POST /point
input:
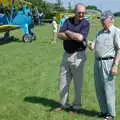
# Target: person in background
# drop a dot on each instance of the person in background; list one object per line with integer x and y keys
{"x": 62, "y": 20}
{"x": 107, "y": 56}
{"x": 73, "y": 33}
{"x": 54, "y": 30}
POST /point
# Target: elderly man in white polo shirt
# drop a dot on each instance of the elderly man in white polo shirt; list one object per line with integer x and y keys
{"x": 107, "y": 56}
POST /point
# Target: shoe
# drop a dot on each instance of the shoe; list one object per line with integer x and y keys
{"x": 102, "y": 115}
{"x": 58, "y": 109}
{"x": 62, "y": 108}
{"x": 108, "y": 117}
{"x": 73, "y": 110}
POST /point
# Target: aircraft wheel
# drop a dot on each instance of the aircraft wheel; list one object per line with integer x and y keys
{"x": 27, "y": 38}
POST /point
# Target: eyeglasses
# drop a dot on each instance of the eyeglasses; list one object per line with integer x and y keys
{"x": 80, "y": 12}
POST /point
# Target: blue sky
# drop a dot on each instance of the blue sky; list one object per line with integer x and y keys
{"x": 113, "y": 5}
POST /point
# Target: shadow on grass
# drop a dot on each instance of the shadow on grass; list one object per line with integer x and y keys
{"x": 8, "y": 40}
{"x": 86, "y": 112}
{"x": 44, "y": 101}
{"x": 53, "y": 104}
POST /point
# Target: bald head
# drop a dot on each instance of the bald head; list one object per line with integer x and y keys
{"x": 80, "y": 7}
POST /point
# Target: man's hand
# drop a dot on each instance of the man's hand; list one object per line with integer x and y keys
{"x": 116, "y": 63}
{"x": 90, "y": 45}
{"x": 74, "y": 36}
{"x": 114, "y": 69}
{"x": 62, "y": 36}
{"x": 67, "y": 32}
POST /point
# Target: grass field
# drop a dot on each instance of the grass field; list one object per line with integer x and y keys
{"x": 29, "y": 76}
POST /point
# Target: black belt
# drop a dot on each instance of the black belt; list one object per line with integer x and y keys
{"x": 104, "y": 58}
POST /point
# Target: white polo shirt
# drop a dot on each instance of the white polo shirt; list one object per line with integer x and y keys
{"x": 54, "y": 26}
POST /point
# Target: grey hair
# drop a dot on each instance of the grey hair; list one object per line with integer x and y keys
{"x": 81, "y": 4}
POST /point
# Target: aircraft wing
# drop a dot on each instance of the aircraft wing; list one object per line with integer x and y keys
{"x": 8, "y": 27}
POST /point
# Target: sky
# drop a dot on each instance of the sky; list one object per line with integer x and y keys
{"x": 113, "y": 5}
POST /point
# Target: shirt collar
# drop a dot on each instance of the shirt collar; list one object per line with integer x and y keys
{"x": 110, "y": 29}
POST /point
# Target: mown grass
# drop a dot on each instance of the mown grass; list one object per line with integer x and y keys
{"x": 29, "y": 77}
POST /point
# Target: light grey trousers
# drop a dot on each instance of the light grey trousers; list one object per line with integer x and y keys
{"x": 71, "y": 68}
{"x": 105, "y": 86}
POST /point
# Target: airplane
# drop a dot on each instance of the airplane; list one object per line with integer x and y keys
{"x": 15, "y": 14}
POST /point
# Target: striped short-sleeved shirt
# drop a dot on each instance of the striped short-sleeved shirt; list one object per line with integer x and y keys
{"x": 107, "y": 42}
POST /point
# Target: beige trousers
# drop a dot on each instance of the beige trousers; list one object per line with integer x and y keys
{"x": 72, "y": 69}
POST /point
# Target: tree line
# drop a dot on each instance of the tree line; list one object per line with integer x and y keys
{"x": 48, "y": 8}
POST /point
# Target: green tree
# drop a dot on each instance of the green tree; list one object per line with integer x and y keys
{"x": 69, "y": 6}
{"x": 92, "y": 7}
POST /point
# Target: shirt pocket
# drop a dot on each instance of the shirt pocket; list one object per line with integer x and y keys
{"x": 108, "y": 41}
